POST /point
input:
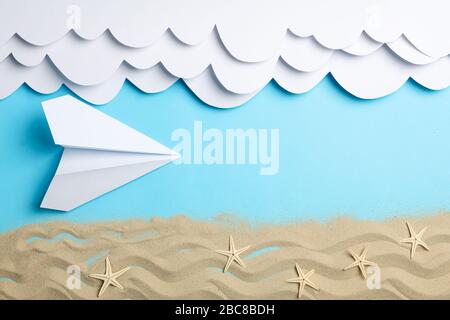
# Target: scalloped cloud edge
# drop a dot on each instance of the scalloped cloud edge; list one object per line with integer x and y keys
{"x": 226, "y": 58}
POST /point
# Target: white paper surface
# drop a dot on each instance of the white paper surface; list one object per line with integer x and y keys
{"x": 226, "y": 51}
{"x": 251, "y": 29}
{"x": 100, "y": 153}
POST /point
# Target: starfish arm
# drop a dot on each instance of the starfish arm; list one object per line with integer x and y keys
{"x": 413, "y": 249}
{"x": 239, "y": 261}
{"x": 363, "y": 270}
{"x": 423, "y": 244}
{"x": 407, "y": 240}
{"x": 224, "y": 252}
{"x": 237, "y": 252}
{"x": 354, "y": 256}
{"x": 299, "y": 271}
{"x": 369, "y": 263}
{"x": 103, "y": 288}
{"x": 312, "y": 284}
{"x": 420, "y": 234}
{"x": 301, "y": 287}
{"x": 411, "y": 230}
{"x": 115, "y": 283}
{"x": 117, "y": 274}
{"x": 352, "y": 265}
{"x": 363, "y": 254}
{"x": 232, "y": 249}
{"x": 309, "y": 274}
{"x": 98, "y": 276}
{"x": 108, "y": 271}
{"x": 229, "y": 261}
{"x": 294, "y": 280}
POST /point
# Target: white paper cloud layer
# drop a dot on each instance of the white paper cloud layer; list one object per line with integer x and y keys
{"x": 225, "y": 51}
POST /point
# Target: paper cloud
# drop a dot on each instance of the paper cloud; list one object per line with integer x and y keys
{"x": 226, "y": 52}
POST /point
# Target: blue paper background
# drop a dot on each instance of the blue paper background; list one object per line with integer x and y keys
{"x": 339, "y": 155}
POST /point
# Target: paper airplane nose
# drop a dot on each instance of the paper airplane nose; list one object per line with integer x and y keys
{"x": 100, "y": 153}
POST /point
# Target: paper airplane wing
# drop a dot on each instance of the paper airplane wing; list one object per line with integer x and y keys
{"x": 78, "y": 125}
{"x": 100, "y": 154}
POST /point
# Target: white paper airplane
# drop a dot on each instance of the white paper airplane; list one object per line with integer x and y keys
{"x": 100, "y": 153}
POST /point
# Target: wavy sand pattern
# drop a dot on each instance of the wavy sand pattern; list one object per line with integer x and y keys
{"x": 175, "y": 258}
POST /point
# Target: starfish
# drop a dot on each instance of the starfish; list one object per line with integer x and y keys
{"x": 302, "y": 280}
{"x": 109, "y": 277}
{"x": 415, "y": 239}
{"x": 233, "y": 255}
{"x": 360, "y": 262}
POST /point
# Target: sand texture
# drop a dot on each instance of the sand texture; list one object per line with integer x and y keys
{"x": 175, "y": 259}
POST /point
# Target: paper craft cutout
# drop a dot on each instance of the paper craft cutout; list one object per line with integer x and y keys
{"x": 226, "y": 52}
{"x": 100, "y": 153}
{"x": 363, "y": 46}
{"x": 251, "y": 29}
{"x": 362, "y": 76}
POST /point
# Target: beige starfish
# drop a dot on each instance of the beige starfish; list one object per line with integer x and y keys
{"x": 109, "y": 277}
{"x": 360, "y": 262}
{"x": 415, "y": 239}
{"x": 233, "y": 255}
{"x": 302, "y": 280}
